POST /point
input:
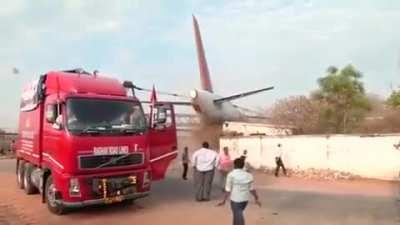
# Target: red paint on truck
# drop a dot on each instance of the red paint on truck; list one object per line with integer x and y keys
{"x": 84, "y": 140}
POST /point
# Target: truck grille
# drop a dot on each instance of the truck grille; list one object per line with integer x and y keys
{"x": 107, "y": 161}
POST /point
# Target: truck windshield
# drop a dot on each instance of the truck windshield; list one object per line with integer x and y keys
{"x": 96, "y": 116}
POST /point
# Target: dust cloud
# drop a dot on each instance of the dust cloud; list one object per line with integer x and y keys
{"x": 193, "y": 139}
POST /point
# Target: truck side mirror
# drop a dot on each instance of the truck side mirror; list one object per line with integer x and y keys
{"x": 162, "y": 116}
{"x": 51, "y": 113}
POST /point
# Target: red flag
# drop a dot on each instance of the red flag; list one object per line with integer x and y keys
{"x": 153, "y": 97}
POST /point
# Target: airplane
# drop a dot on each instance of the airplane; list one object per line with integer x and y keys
{"x": 210, "y": 107}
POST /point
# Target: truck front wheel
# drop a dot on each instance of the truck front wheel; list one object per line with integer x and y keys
{"x": 20, "y": 174}
{"x": 28, "y": 185}
{"x": 129, "y": 201}
{"x": 50, "y": 192}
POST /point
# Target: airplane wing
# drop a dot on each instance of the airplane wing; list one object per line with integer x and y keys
{"x": 241, "y": 95}
{"x": 252, "y": 114}
{"x": 164, "y": 93}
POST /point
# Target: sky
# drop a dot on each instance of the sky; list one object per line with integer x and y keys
{"x": 249, "y": 44}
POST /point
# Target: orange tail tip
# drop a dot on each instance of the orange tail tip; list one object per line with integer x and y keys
{"x": 204, "y": 73}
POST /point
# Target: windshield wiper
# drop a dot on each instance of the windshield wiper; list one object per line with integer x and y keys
{"x": 127, "y": 128}
{"x": 113, "y": 160}
{"x": 92, "y": 130}
{"x": 133, "y": 130}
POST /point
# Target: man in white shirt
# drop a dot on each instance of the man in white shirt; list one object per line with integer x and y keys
{"x": 244, "y": 157}
{"x": 239, "y": 185}
{"x": 397, "y": 146}
{"x": 279, "y": 161}
{"x": 204, "y": 162}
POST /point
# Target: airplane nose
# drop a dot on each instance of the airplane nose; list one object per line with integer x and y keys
{"x": 193, "y": 93}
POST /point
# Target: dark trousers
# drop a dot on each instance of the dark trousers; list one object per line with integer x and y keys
{"x": 279, "y": 164}
{"x": 237, "y": 211}
{"x": 185, "y": 170}
{"x": 202, "y": 183}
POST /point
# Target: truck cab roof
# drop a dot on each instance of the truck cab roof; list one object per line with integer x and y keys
{"x": 80, "y": 82}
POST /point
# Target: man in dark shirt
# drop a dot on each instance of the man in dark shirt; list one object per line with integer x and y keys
{"x": 185, "y": 162}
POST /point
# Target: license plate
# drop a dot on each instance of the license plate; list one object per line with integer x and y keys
{"x": 133, "y": 179}
{"x": 111, "y": 189}
{"x": 113, "y": 199}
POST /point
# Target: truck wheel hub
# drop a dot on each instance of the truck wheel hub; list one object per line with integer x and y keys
{"x": 25, "y": 179}
{"x": 51, "y": 195}
{"x": 19, "y": 176}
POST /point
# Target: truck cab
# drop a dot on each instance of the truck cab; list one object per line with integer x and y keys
{"x": 84, "y": 140}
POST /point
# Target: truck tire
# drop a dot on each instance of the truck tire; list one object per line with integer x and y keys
{"x": 28, "y": 185}
{"x": 20, "y": 174}
{"x": 50, "y": 194}
{"x": 129, "y": 201}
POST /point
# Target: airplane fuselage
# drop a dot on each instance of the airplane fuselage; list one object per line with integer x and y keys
{"x": 210, "y": 112}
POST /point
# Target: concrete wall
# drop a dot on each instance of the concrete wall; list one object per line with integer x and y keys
{"x": 369, "y": 157}
{"x": 247, "y": 129}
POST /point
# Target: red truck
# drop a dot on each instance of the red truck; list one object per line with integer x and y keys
{"x": 84, "y": 140}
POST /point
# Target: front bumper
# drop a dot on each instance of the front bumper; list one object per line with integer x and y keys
{"x": 100, "y": 201}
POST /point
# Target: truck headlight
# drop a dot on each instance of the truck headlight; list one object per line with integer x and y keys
{"x": 74, "y": 189}
{"x": 146, "y": 179}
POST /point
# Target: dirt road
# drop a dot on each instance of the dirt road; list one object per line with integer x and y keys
{"x": 285, "y": 201}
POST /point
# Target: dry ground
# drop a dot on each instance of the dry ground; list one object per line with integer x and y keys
{"x": 285, "y": 201}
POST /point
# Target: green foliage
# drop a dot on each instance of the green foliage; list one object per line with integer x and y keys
{"x": 344, "y": 97}
{"x": 394, "y": 100}
{"x": 298, "y": 111}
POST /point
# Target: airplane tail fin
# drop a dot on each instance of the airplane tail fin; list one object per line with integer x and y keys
{"x": 201, "y": 57}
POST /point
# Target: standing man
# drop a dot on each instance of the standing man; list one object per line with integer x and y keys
{"x": 279, "y": 161}
{"x": 239, "y": 186}
{"x": 225, "y": 165}
{"x": 185, "y": 162}
{"x": 13, "y": 146}
{"x": 244, "y": 157}
{"x": 204, "y": 162}
{"x": 397, "y": 146}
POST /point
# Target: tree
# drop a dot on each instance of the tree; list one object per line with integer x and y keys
{"x": 394, "y": 100}
{"x": 298, "y": 111}
{"x": 344, "y": 95}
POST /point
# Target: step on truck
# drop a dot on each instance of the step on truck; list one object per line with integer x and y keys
{"x": 84, "y": 140}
